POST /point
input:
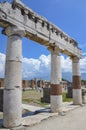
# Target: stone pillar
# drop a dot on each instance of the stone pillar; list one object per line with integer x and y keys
{"x": 40, "y": 83}
{"x": 32, "y": 84}
{"x": 13, "y": 78}
{"x": 56, "y": 88}
{"x": 76, "y": 78}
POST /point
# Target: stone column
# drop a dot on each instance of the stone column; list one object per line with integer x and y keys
{"x": 56, "y": 88}
{"x": 76, "y": 78}
{"x": 32, "y": 84}
{"x": 12, "y": 111}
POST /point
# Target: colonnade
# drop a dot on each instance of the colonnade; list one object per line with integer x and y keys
{"x": 13, "y": 79}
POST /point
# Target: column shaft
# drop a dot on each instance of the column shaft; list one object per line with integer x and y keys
{"x": 12, "y": 111}
{"x": 77, "y": 96}
{"x": 56, "y": 89}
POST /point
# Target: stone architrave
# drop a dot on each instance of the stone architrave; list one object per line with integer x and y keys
{"x": 12, "y": 110}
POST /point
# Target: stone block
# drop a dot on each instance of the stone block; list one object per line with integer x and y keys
{"x": 1, "y": 100}
{"x": 69, "y": 92}
{"x": 46, "y": 95}
{"x": 84, "y": 95}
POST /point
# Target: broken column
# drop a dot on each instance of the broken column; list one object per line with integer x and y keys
{"x": 76, "y": 78}
{"x": 12, "y": 111}
{"x": 56, "y": 88}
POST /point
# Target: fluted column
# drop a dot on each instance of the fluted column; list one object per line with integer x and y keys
{"x": 56, "y": 88}
{"x": 76, "y": 79}
{"x": 12, "y": 111}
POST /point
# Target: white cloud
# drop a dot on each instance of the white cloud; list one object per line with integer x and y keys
{"x": 83, "y": 65}
{"x": 36, "y": 67}
{"x": 40, "y": 67}
{"x": 66, "y": 64}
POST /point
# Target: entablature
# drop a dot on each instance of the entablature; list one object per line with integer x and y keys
{"x": 37, "y": 27}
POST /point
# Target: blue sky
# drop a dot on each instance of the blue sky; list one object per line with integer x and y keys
{"x": 70, "y": 16}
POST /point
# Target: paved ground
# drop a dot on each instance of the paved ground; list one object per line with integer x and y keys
{"x": 73, "y": 120}
{"x": 40, "y": 118}
{"x": 31, "y": 108}
{"x": 39, "y": 114}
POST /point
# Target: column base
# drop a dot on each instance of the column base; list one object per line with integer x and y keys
{"x": 56, "y": 103}
{"x": 77, "y": 97}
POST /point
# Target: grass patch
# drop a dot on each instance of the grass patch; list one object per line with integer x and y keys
{"x": 65, "y": 99}
{"x": 33, "y": 97}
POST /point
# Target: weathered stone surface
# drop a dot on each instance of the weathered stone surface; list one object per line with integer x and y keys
{"x": 56, "y": 103}
{"x": 19, "y": 128}
{"x": 77, "y": 97}
{"x": 84, "y": 95}
{"x": 37, "y": 27}
{"x": 69, "y": 92}
{"x": 46, "y": 95}
{"x": 1, "y": 100}
{"x": 56, "y": 89}
{"x": 13, "y": 78}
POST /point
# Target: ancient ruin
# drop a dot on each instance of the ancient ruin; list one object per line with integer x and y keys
{"x": 17, "y": 21}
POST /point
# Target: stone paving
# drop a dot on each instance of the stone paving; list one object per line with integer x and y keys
{"x": 43, "y": 113}
{"x": 31, "y": 108}
{"x": 73, "y": 120}
{"x": 35, "y": 115}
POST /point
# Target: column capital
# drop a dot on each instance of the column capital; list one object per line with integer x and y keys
{"x": 54, "y": 50}
{"x": 75, "y": 59}
{"x": 14, "y": 30}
